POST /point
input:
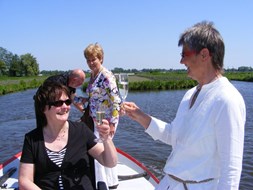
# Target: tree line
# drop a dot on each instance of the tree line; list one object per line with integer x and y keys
{"x": 14, "y": 65}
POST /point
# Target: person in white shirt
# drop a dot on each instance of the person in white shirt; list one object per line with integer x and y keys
{"x": 207, "y": 134}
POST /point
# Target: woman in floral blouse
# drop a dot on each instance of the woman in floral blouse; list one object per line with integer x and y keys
{"x": 102, "y": 89}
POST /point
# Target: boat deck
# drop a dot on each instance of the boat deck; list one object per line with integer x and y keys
{"x": 133, "y": 184}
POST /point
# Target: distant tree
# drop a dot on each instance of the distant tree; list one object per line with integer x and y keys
{"x": 24, "y": 65}
{"x": 15, "y": 69}
{"x": 118, "y": 70}
{"x": 6, "y": 57}
{"x": 134, "y": 71}
{"x": 244, "y": 68}
{"x": 52, "y": 72}
{"x": 29, "y": 65}
{"x": 2, "y": 68}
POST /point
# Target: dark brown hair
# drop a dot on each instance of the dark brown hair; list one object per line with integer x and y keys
{"x": 47, "y": 92}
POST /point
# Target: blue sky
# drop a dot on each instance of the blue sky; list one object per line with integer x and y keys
{"x": 135, "y": 34}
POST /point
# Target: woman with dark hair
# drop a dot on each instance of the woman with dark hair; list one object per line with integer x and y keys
{"x": 56, "y": 154}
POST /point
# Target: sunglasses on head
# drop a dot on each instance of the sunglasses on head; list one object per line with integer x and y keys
{"x": 60, "y": 103}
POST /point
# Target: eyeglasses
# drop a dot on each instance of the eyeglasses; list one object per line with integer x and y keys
{"x": 187, "y": 53}
{"x": 60, "y": 103}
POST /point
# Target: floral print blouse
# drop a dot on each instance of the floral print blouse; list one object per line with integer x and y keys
{"x": 103, "y": 91}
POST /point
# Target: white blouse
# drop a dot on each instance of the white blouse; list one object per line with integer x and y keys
{"x": 207, "y": 140}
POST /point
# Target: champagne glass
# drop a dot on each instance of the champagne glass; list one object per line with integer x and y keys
{"x": 123, "y": 86}
{"x": 100, "y": 115}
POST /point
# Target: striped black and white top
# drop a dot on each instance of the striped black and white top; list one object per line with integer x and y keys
{"x": 57, "y": 158}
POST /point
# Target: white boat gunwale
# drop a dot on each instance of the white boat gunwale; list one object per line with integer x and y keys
{"x": 144, "y": 168}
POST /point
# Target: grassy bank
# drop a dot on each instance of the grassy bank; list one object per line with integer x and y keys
{"x": 15, "y": 84}
{"x": 162, "y": 81}
{"x": 176, "y": 80}
{"x": 138, "y": 82}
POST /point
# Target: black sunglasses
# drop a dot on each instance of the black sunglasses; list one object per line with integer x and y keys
{"x": 60, "y": 103}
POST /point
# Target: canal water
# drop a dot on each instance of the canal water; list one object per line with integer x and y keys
{"x": 17, "y": 117}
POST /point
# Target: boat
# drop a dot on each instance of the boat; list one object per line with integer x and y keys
{"x": 132, "y": 174}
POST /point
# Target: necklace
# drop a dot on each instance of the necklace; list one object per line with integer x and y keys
{"x": 93, "y": 77}
{"x": 59, "y": 137}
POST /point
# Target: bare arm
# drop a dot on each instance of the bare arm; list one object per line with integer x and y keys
{"x": 79, "y": 102}
{"x": 26, "y": 175}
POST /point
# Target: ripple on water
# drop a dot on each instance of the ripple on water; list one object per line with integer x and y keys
{"x": 12, "y": 136}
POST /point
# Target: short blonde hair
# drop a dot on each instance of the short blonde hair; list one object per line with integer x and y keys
{"x": 94, "y": 50}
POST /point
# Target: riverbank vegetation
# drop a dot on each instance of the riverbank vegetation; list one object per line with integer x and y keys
{"x": 21, "y": 72}
{"x": 140, "y": 81}
{"x": 15, "y": 84}
{"x": 178, "y": 80}
{"x": 162, "y": 81}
